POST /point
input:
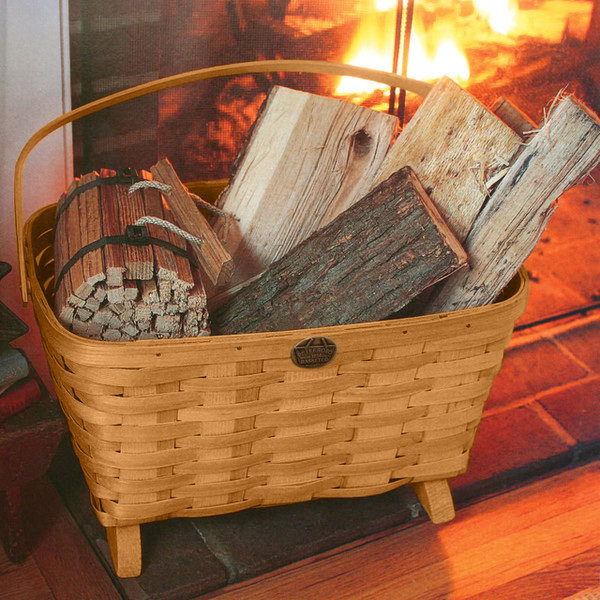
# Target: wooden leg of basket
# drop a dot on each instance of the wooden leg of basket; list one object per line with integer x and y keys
{"x": 125, "y": 545}
{"x": 436, "y": 498}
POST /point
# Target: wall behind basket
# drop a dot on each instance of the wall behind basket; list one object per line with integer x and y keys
{"x": 33, "y": 84}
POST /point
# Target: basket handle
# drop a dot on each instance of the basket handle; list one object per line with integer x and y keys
{"x": 307, "y": 66}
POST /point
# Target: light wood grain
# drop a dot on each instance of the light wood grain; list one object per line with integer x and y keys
{"x": 455, "y": 145}
{"x": 308, "y": 159}
{"x": 513, "y": 220}
{"x": 489, "y": 544}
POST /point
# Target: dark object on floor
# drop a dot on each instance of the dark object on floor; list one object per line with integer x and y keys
{"x": 28, "y": 441}
{"x": 11, "y": 327}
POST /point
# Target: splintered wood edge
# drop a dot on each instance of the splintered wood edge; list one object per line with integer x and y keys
{"x": 447, "y": 235}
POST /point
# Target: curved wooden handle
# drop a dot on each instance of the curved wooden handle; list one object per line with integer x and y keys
{"x": 307, "y": 66}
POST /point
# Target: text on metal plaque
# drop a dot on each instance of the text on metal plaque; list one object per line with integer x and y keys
{"x": 313, "y": 352}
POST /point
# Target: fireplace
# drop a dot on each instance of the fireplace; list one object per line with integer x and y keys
{"x": 524, "y": 50}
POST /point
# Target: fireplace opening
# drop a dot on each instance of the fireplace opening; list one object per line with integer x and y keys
{"x": 525, "y": 50}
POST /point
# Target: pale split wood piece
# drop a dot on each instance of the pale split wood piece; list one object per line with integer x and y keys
{"x": 436, "y": 498}
{"x": 308, "y": 158}
{"x": 210, "y": 254}
{"x": 455, "y": 145}
{"x": 510, "y": 225}
{"x": 125, "y": 544}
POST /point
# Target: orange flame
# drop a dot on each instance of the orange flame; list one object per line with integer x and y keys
{"x": 501, "y": 14}
{"x": 373, "y": 46}
{"x": 438, "y": 44}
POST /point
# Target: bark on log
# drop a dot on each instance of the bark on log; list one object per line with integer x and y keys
{"x": 307, "y": 159}
{"x": 368, "y": 262}
{"x": 561, "y": 155}
{"x": 455, "y": 146}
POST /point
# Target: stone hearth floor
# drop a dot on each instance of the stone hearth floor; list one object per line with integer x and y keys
{"x": 543, "y": 414}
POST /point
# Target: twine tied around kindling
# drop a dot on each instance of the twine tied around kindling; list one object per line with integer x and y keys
{"x": 168, "y": 225}
{"x": 166, "y": 189}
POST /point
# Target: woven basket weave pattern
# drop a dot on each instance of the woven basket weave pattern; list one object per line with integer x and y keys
{"x": 196, "y": 427}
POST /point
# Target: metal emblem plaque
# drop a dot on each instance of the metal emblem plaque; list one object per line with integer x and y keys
{"x": 313, "y": 352}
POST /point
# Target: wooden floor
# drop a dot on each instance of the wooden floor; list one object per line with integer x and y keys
{"x": 538, "y": 542}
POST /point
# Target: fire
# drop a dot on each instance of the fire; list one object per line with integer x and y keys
{"x": 373, "y": 46}
{"x": 501, "y": 14}
{"x": 444, "y": 31}
{"x": 448, "y": 60}
{"x": 385, "y": 5}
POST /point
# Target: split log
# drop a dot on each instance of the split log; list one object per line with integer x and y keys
{"x": 368, "y": 262}
{"x": 113, "y": 254}
{"x": 307, "y": 159}
{"x": 514, "y": 117}
{"x": 211, "y": 255}
{"x": 455, "y": 146}
{"x": 560, "y": 155}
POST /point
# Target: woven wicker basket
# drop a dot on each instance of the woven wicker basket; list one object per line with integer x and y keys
{"x": 204, "y": 426}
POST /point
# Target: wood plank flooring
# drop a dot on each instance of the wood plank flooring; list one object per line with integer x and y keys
{"x": 62, "y": 565}
{"x": 541, "y": 541}
{"x": 538, "y": 542}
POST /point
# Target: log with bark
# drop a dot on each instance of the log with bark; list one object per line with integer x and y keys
{"x": 368, "y": 262}
{"x": 307, "y": 159}
{"x": 117, "y": 282}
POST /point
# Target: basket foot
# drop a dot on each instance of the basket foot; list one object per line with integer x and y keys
{"x": 125, "y": 545}
{"x": 436, "y": 498}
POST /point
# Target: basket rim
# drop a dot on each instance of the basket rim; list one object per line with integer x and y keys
{"x": 89, "y": 351}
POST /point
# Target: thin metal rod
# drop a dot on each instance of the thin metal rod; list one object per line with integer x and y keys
{"x": 405, "y": 50}
{"x": 396, "y": 56}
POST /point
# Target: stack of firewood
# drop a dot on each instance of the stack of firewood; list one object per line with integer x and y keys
{"x": 332, "y": 223}
{"x": 119, "y": 278}
{"x": 493, "y": 176}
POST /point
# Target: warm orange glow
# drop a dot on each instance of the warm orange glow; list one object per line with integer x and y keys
{"x": 443, "y": 36}
{"x": 501, "y": 14}
{"x": 385, "y": 5}
{"x": 448, "y": 60}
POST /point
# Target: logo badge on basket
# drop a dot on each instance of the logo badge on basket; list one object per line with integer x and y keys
{"x": 313, "y": 352}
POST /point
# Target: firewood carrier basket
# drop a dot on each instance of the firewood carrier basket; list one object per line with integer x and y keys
{"x": 205, "y": 426}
